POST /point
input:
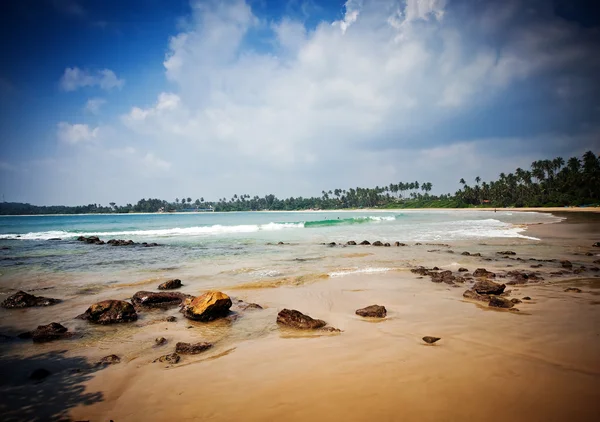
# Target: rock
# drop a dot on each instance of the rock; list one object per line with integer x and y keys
{"x": 465, "y": 253}
{"x": 295, "y": 319}
{"x": 39, "y": 374}
{"x": 442, "y": 277}
{"x": 245, "y": 306}
{"x": 109, "y": 360}
{"x": 171, "y": 358}
{"x": 170, "y": 284}
{"x": 420, "y": 270}
{"x": 351, "y": 243}
{"x": 471, "y": 294}
{"x": 418, "y": 244}
{"x": 191, "y": 349}
{"x": 22, "y": 299}
{"x": 399, "y": 244}
{"x": 331, "y": 244}
{"x": 159, "y": 341}
{"x": 573, "y": 289}
{"x": 373, "y": 311}
{"x": 595, "y": 269}
{"x": 482, "y": 272}
{"x": 377, "y": 243}
{"x": 506, "y": 253}
{"x": 54, "y": 238}
{"x": 209, "y": 306}
{"x": 526, "y": 298}
{"x": 596, "y": 245}
{"x": 430, "y": 340}
{"x": 500, "y": 302}
{"x": 536, "y": 266}
{"x": 365, "y": 242}
{"x": 387, "y": 244}
{"x": 171, "y": 319}
{"x": 45, "y": 333}
{"x": 120, "y": 242}
{"x": 110, "y": 312}
{"x": 476, "y": 254}
{"x": 462, "y": 270}
{"x": 158, "y": 299}
{"x": 521, "y": 277}
{"x": 566, "y": 264}
{"x": 516, "y": 301}
{"x": 487, "y": 287}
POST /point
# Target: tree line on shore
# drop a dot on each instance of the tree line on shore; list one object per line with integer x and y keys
{"x": 575, "y": 182}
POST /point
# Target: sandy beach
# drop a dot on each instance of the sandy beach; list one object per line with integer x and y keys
{"x": 537, "y": 363}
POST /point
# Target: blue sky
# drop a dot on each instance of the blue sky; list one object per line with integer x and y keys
{"x": 106, "y": 101}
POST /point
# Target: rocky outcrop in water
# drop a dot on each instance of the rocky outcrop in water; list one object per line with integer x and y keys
{"x": 372, "y": 311}
{"x": 207, "y": 307}
{"x": 50, "y": 332}
{"x": 296, "y": 319}
{"x": 120, "y": 242}
{"x": 110, "y": 312}
{"x": 159, "y": 299}
{"x": 22, "y": 299}
{"x": 191, "y": 348}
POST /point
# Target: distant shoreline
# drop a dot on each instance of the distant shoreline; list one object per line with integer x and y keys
{"x": 528, "y": 209}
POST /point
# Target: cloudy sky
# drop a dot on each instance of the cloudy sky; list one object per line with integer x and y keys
{"x": 106, "y": 101}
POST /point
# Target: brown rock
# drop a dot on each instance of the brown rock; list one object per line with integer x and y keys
{"x": 566, "y": 264}
{"x": 295, "y": 319}
{"x": 377, "y": 243}
{"x": 430, "y": 340}
{"x": 462, "y": 270}
{"x": 506, "y": 253}
{"x": 191, "y": 349}
{"x": 351, "y": 243}
{"x": 245, "y": 306}
{"x": 158, "y": 299}
{"x": 473, "y": 295}
{"x": 159, "y": 341}
{"x": 170, "y": 284}
{"x": 22, "y": 299}
{"x": 209, "y": 306}
{"x": 482, "y": 272}
{"x": 50, "y": 332}
{"x": 373, "y": 311}
{"x": 487, "y": 287}
{"x": 500, "y": 302}
{"x": 516, "y": 301}
{"x": 465, "y": 253}
{"x": 573, "y": 289}
{"x": 526, "y": 298}
{"x": 171, "y": 319}
{"x": 109, "y": 360}
{"x": 110, "y": 312}
{"x": 171, "y": 358}
{"x": 365, "y": 242}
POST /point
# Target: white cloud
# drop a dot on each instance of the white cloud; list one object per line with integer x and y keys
{"x": 93, "y": 105}
{"x": 153, "y": 162}
{"x": 76, "y": 133}
{"x": 74, "y": 78}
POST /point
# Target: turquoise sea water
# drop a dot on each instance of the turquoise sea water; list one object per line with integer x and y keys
{"x": 26, "y": 240}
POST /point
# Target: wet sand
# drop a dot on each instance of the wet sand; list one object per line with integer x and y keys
{"x": 541, "y": 363}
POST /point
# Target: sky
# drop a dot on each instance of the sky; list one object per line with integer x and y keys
{"x": 113, "y": 101}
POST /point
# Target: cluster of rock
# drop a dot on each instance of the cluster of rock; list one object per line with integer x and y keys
{"x": 95, "y": 240}
{"x": 365, "y": 243}
{"x": 22, "y": 299}
{"x": 492, "y": 293}
{"x": 439, "y": 276}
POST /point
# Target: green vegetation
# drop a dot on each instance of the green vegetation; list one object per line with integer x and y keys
{"x": 548, "y": 183}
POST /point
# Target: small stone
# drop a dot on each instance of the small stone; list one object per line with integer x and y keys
{"x": 500, "y": 302}
{"x": 462, "y": 270}
{"x": 373, "y": 311}
{"x": 465, "y": 253}
{"x": 573, "y": 289}
{"x": 351, "y": 243}
{"x": 171, "y": 319}
{"x": 526, "y": 298}
{"x": 191, "y": 349}
{"x": 159, "y": 341}
{"x": 170, "y": 284}
{"x": 109, "y": 360}
{"x": 377, "y": 243}
{"x": 171, "y": 358}
{"x": 566, "y": 264}
{"x": 516, "y": 301}
{"x": 365, "y": 242}
{"x": 430, "y": 340}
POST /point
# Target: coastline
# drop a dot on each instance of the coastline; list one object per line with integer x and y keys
{"x": 536, "y": 364}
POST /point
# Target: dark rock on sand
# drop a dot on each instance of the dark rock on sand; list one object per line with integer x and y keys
{"x": 245, "y": 306}
{"x": 351, "y": 243}
{"x": 462, "y": 270}
{"x": 522, "y": 277}
{"x": 191, "y": 348}
{"x": 158, "y": 299}
{"x": 109, "y": 360}
{"x": 331, "y": 244}
{"x": 566, "y": 264}
{"x": 506, "y": 253}
{"x": 516, "y": 301}
{"x": 365, "y": 242}
{"x": 526, "y": 298}
{"x": 110, "y": 312}
{"x": 54, "y": 238}
{"x": 482, "y": 272}
{"x": 171, "y": 358}
{"x": 399, "y": 244}
{"x": 465, "y": 253}
{"x": 487, "y": 287}
{"x": 573, "y": 289}
{"x": 442, "y": 277}
{"x": 50, "y": 332}
{"x": 372, "y": 311}
{"x": 170, "y": 284}
{"x": 420, "y": 270}
{"x": 295, "y": 319}
{"x": 597, "y": 245}
{"x": 430, "y": 340}
{"x": 207, "y": 307}
{"x": 171, "y": 319}
{"x": 39, "y": 374}
{"x": 377, "y": 243}
{"x": 387, "y": 244}
{"x": 22, "y": 299}
{"x": 159, "y": 341}
{"x": 500, "y": 302}
{"x": 473, "y": 295}
{"x": 536, "y": 266}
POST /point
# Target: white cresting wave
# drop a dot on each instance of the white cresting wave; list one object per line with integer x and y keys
{"x": 368, "y": 270}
